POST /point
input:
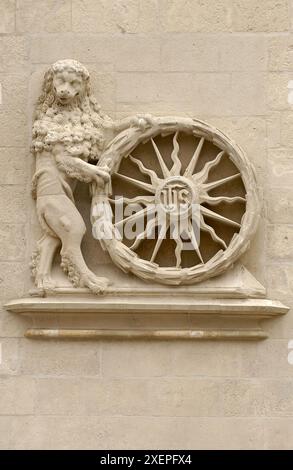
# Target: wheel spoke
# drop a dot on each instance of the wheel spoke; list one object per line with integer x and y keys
{"x": 165, "y": 171}
{"x": 215, "y": 184}
{"x": 194, "y": 241}
{"x": 161, "y": 236}
{"x": 207, "y": 228}
{"x": 176, "y": 168}
{"x": 150, "y": 226}
{"x": 204, "y": 173}
{"x": 220, "y": 218}
{"x": 137, "y": 215}
{"x": 178, "y": 251}
{"x": 217, "y": 200}
{"x": 140, "y": 184}
{"x": 147, "y": 171}
{"x": 192, "y": 164}
{"x": 135, "y": 200}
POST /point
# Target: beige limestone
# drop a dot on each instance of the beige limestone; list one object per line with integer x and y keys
{"x": 205, "y": 47}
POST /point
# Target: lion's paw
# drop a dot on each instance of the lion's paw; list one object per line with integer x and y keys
{"x": 97, "y": 285}
{"x": 45, "y": 282}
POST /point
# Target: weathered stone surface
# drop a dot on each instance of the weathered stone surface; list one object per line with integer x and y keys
{"x": 9, "y": 355}
{"x": 7, "y": 16}
{"x": 278, "y": 91}
{"x": 204, "y": 16}
{"x": 280, "y": 55}
{"x": 131, "y": 397}
{"x": 14, "y": 53}
{"x": 64, "y": 432}
{"x": 13, "y": 209}
{"x": 46, "y": 51}
{"x": 258, "y": 398}
{"x": 169, "y": 359}
{"x": 268, "y": 359}
{"x": 241, "y": 53}
{"x": 36, "y": 16}
{"x": 62, "y": 358}
{"x": 12, "y": 242}
{"x": 17, "y": 395}
{"x": 280, "y": 242}
{"x": 191, "y": 52}
{"x": 100, "y": 16}
{"x": 287, "y": 129}
{"x": 12, "y": 279}
{"x": 265, "y": 15}
{"x": 13, "y": 165}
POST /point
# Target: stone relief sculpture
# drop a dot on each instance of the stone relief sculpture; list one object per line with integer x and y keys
{"x": 175, "y": 179}
{"x": 69, "y": 131}
{"x": 174, "y": 202}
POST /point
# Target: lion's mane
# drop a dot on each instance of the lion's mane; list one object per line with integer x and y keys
{"x": 78, "y": 126}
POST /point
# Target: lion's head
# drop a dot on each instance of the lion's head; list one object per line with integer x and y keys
{"x": 67, "y": 112}
{"x": 66, "y": 82}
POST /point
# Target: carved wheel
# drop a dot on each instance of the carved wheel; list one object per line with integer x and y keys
{"x": 177, "y": 167}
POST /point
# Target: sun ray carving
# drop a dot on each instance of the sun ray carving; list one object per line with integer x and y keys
{"x": 204, "y": 173}
{"x": 164, "y": 168}
{"x": 192, "y": 164}
{"x": 176, "y": 168}
{"x": 162, "y": 188}
{"x": 146, "y": 171}
{"x": 140, "y": 184}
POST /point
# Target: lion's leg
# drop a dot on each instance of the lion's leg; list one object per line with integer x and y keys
{"x": 64, "y": 219}
{"x": 47, "y": 247}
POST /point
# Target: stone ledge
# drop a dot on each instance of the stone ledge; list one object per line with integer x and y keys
{"x": 118, "y": 317}
{"x": 253, "y": 308}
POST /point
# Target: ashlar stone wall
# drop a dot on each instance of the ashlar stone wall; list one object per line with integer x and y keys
{"x": 229, "y": 62}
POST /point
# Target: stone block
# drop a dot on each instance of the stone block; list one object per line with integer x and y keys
{"x": 17, "y": 395}
{"x": 279, "y": 91}
{"x": 12, "y": 242}
{"x": 149, "y": 87}
{"x": 267, "y": 359}
{"x": 44, "y": 50}
{"x": 278, "y": 434}
{"x": 280, "y": 204}
{"x": 145, "y": 432}
{"x": 39, "y": 16}
{"x": 12, "y": 279}
{"x": 178, "y": 359}
{"x": 9, "y": 348}
{"x": 258, "y": 397}
{"x": 280, "y": 53}
{"x": 248, "y": 93}
{"x": 241, "y": 53}
{"x": 13, "y": 208}
{"x": 7, "y": 16}
{"x": 190, "y": 53}
{"x": 262, "y": 16}
{"x": 273, "y": 129}
{"x": 280, "y": 242}
{"x": 13, "y": 166}
{"x": 14, "y": 53}
{"x": 195, "y": 16}
{"x": 280, "y": 281}
{"x": 137, "y": 53}
{"x": 287, "y": 129}
{"x": 100, "y": 16}
{"x": 60, "y": 358}
{"x": 250, "y": 135}
{"x": 131, "y": 397}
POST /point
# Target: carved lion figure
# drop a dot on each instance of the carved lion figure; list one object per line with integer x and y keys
{"x": 69, "y": 132}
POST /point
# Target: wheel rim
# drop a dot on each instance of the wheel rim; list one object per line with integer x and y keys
{"x": 163, "y": 180}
